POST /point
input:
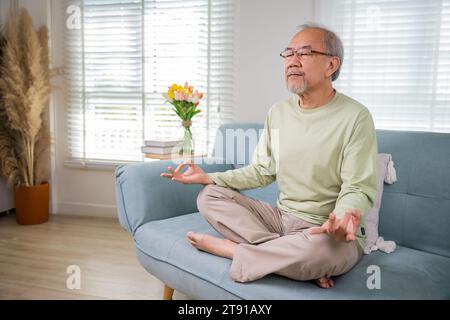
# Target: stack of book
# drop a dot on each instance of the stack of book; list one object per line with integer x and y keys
{"x": 160, "y": 149}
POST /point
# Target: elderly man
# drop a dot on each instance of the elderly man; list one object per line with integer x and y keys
{"x": 325, "y": 163}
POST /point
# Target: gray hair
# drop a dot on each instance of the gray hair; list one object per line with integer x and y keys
{"x": 331, "y": 42}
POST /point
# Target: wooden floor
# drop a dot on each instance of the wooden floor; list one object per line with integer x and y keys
{"x": 34, "y": 261}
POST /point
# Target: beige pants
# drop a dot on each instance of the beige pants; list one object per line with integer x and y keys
{"x": 273, "y": 241}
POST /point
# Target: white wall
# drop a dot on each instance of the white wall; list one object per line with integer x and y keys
{"x": 5, "y": 10}
{"x": 38, "y": 9}
{"x": 265, "y": 27}
{"x": 6, "y": 194}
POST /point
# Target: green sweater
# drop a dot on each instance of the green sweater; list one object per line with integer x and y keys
{"x": 324, "y": 159}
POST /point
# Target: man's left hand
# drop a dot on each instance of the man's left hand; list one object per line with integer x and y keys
{"x": 340, "y": 229}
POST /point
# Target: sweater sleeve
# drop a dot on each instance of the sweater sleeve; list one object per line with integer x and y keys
{"x": 261, "y": 172}
{"x": 359, "y": 168}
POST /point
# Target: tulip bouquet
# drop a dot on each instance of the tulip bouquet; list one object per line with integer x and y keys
{"x": 184, "y": 101}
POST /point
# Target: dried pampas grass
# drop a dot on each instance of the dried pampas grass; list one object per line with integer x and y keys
{"x": 43, "y": 138}
{"x": 24, "y": 96}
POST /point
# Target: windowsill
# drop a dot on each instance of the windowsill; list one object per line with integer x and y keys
{"x": 102, "y": 165}
{"x": 111, "y": 165}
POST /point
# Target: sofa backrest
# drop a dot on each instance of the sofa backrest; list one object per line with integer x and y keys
{"x": 415, "y": 211}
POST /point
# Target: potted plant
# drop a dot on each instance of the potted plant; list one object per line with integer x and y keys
{"x": 24, "y": 117}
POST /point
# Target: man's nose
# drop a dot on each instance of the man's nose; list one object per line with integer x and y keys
{"x": 293, "y": 61}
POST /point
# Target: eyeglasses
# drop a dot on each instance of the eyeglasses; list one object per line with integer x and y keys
{"x": 302, "y": 52}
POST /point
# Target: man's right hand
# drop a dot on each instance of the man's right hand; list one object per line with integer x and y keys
{"x": 194, "y": 174}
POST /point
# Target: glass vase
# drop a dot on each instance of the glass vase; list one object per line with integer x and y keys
{"x": 187, "y": 146}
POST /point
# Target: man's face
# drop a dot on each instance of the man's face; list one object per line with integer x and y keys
{"x": 302, "y": 74}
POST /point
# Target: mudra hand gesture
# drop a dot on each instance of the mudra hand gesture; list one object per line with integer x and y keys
{"x": 340, "y": 229}
{"x": 194, "y": 174}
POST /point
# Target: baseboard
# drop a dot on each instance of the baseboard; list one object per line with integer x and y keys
{"x": 87, "y": 209}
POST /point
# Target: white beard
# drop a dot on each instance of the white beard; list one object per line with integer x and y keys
{"x": 298, "y": 88}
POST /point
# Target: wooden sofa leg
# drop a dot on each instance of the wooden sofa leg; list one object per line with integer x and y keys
{"x": 168, "y": 293}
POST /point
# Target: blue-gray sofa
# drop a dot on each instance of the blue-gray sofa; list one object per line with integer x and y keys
{"x": 415, "y": 212}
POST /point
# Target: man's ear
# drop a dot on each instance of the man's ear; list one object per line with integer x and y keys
{"x": 333, "y": 65}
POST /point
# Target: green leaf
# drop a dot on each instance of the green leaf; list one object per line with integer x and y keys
{"x": 176, "y": 111}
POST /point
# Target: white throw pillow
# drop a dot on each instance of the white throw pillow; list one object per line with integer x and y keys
{"x": 386, "y": 173}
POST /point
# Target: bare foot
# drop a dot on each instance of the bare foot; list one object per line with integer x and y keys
{"x": 325, "y": 282}
{"x": 217, "y": 246}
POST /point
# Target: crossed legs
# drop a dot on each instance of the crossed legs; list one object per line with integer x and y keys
{"x": 259, "y": 240}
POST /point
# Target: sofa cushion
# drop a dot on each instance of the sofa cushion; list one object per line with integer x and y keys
{"x": 235, "y": 142}
{"x": 267, "y": 193}
{"x": 405, "y": 274}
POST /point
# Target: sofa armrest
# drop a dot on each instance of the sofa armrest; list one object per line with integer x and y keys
{"x": 142, "y": 195}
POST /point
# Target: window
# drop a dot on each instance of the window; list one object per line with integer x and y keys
{"x": 397, "y": 59}
{"x": 121, "y": 55}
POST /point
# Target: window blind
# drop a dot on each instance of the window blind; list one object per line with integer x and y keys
{"x": 397, "y": 59}
{"x": 124, "y": 55}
